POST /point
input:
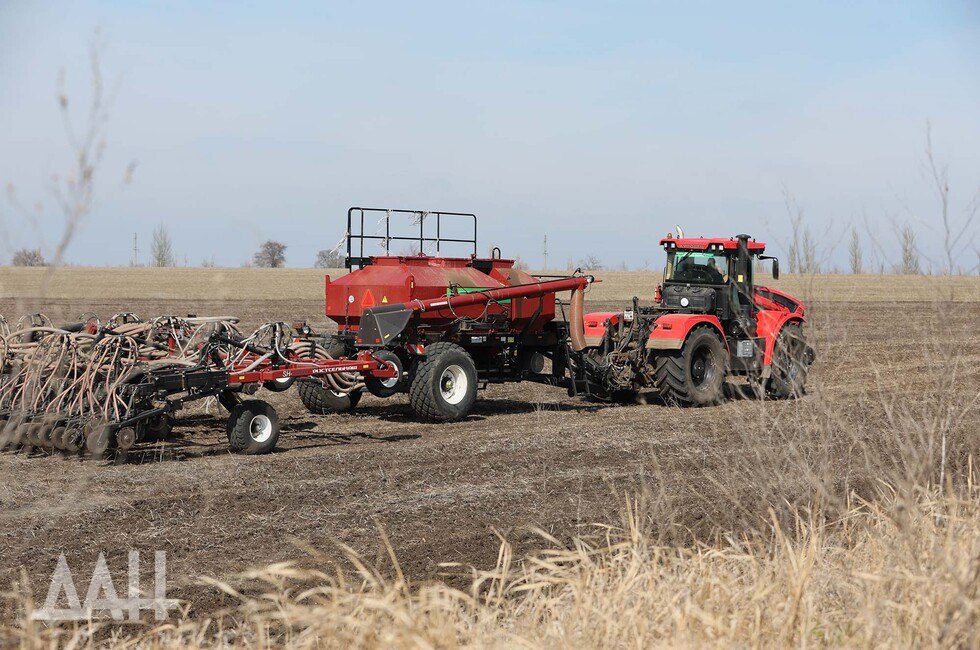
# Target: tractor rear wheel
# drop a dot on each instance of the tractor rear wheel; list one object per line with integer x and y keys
{"x": 444, "y": 384}
{"x": 323, "y": 401}
{"x": 253, "y": 428}
{"x": 694, "y": 375}
{"x": 789, "y": 364}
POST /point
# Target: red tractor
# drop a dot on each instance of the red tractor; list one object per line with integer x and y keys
{"x": 445, "y": 326}
{"x": 711, "y": 322}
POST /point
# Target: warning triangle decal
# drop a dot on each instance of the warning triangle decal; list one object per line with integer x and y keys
{"x": 368, "y": 300}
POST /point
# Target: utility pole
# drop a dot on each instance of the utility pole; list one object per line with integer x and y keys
{"x": 545, "y": 268}
{"x": 136, "y": 252}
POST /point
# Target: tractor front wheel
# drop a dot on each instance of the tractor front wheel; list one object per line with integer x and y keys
{"x": 444, "y": 385}
{"x": 695, "y": 375}
{"x": 789, "y": 364}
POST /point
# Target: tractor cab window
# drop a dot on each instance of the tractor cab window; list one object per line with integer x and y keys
{"x": 696, "y": 267}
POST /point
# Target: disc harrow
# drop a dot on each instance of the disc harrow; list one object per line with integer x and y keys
{"x": 100, "y": 388}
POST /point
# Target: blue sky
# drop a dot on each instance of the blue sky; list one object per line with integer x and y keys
{"x": 600, "y": 124}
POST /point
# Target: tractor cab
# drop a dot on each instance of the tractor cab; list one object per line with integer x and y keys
{"x": 712, "y": 276}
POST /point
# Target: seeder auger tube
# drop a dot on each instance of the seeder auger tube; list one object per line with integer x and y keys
{"x": 106, "y": 387}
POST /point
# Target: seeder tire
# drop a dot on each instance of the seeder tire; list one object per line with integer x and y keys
{"x": 789, "y": 364}
{"x": 74, "y": 439}
{"x": 386, "y": 387}
{"x": 58, "y": 438}
{"x": 444, "y": 385}
{"x": 253, "y": 428}
{"x": 99, "y": 438}
{"x": 44, "y": 431}
{"x": 695, "y": 374}
{"x": 323, "y": 401}
{"x": 32, "y": 434}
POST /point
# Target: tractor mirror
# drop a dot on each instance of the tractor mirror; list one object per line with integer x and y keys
{"x": 775, "y": 269}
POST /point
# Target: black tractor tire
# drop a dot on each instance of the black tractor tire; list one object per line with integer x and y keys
{"x": 695, "y": 374}
{"x": 253, "y": 428}
{"x": 444, "y": 384}
{"x": 324, "y": 401}
{"x": 386, "y": 387}
{"x": 789, "y": 364}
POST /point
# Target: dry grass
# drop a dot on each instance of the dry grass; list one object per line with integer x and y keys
{"x": 896, "y": 573}
{"x": 97, "y": 283}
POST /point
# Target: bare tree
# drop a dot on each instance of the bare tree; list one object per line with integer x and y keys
{"x": 329, "y": 260}
{"x": 809, "y": 261}
{"x": 28, "y": 257}
{"x": 879, "y": 257}
{"x": 592, "y": 263}
{"x": 910, "y": 264}
{"x": 74, "y": 192}
{"x": 162, "y": 249}
{"x": 954, "y": 242}
{"x": 854, "y": 253}
{"x": 271, "y": 255}
{"x": 795, "y": 212}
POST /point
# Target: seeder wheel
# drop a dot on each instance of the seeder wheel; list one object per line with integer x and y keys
{"x": 445, "y": 382}
{"x": 386, "y": 387}
{"x": 324, "y": 401}
{"x": 253, "y": 428}
{"x": 58, "y": 437}
{"x": 74, "y": 439}
{"x": 98, "y": 438}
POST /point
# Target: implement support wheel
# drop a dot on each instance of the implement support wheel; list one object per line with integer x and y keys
{"x": 253, "y": 428}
